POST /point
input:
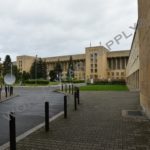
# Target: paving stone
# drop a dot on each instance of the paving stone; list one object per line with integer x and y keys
{"x": 97, "y": 125}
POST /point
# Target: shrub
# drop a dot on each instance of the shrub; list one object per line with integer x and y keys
{"x": 74, "y": 81}
{"x": 106, "y": 82}
{"x": 39, "y": 81}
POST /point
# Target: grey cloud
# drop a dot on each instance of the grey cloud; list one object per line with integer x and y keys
{"x": 57, "y": 27}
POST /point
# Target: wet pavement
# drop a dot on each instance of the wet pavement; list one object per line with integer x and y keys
{"x": 28, "y": 108}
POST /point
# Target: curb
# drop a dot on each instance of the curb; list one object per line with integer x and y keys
{"x": 9, "y": 98}
{"x": 24, "y": 135}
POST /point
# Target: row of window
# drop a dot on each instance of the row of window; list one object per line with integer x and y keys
{"x": 117, "y": 63}
{"x": 93, "y": 65}
{"x": 20, "y": 64}
{"x": 94, "y": 57}
{"x": 116, "y": 73}
{"x": 93, "y": 70}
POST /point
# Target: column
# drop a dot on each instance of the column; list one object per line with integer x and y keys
{"x": 111, "y": 60}
{"x": 121, "y": 63}
{"x": 116, "y": 63}
{"x": 125, "y": 61}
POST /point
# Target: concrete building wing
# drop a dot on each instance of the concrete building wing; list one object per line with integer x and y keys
{"x": 98, "y": 63}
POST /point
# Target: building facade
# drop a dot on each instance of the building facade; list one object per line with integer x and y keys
{"x": 98, "y": 63}
{"x": 78, "y": 62}
{"x": 138, "y": 68}
{"x": 144, "y": 44}
{"x": 132, "y": 70}
{"x": 25, "y": 62}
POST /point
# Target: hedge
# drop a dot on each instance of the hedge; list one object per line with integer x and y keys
{"x": 113, "y": 82}
{"x": 42, "y": 82}
{"x": 74, "y": 81}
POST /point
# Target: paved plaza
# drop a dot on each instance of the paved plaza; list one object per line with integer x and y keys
{"x": 96, "y": 125}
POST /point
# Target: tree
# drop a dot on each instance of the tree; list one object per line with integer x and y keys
{"x": 16, "y": 72}
{"x": 70, "y": 71}
{"x": 52, "y": 75}
{"x": 7, "y": 65}
{"x": 25, "y": 76}
{"x": 38, "y": 69}
{"x": 58, "y": 70}
{"x": 44, "y": 70}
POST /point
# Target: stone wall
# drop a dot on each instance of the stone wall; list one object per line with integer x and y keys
{"x": 132, "y": 70}
{"x": 24, "y": 62}
{"x": 144, "y": 42}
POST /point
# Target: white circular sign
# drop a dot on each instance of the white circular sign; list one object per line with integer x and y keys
{"x": 9, "y": 79}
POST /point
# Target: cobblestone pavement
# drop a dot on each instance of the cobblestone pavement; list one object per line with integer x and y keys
{"x": 96, "y": 125}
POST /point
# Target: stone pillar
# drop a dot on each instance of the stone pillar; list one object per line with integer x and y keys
{"x": 116, "y": 63}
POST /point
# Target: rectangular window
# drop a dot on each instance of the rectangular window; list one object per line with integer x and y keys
{"x": 109, "y": 64}
{"x": 122, "y": 73}
{"x": 118, "y": 63}
{"x": 123, "y": 63}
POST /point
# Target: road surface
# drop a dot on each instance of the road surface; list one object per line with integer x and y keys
{"x": 29, "y": 109}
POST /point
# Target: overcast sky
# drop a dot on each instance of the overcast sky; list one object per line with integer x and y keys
{"x": 63, "y": 27}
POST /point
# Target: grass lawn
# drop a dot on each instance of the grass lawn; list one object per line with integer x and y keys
{"x": 104, "y": 88}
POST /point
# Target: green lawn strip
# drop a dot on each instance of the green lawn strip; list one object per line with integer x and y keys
{"x": 104, "y": 88}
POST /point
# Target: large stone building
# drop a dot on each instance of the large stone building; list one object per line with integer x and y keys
{"x": 132, "y": 70}
{"x": 138, "y": 68}
{"x": 144, "y": 44}
{"x": 97, "y": 63}
{"x": 24, "y": 62}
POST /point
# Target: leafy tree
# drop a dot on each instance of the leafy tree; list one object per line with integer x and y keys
{"x": 7, "y": 65}
{"x": 16, "y": 72}
{"x": 38, "y": 69}
{"x": 1, "y": 69}
{"x": 44, "y": 70}
{"x": 33, "y": 70}
{"x": 1, "y": 81}
{"x": 25, "y": 76}
{"x": 70, "y": 71}
{"x": 58, "y": 70}
{"x": 52, "y": 75}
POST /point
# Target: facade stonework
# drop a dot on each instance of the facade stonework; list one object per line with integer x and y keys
{"x": 24, "y": 62}
{"x": 132, "y": 70}
{"x": 138, "y": 68}
{"x": 79, "y": 65}
{"x": 97, "y": 63}
{"x": 144, "y": 43}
